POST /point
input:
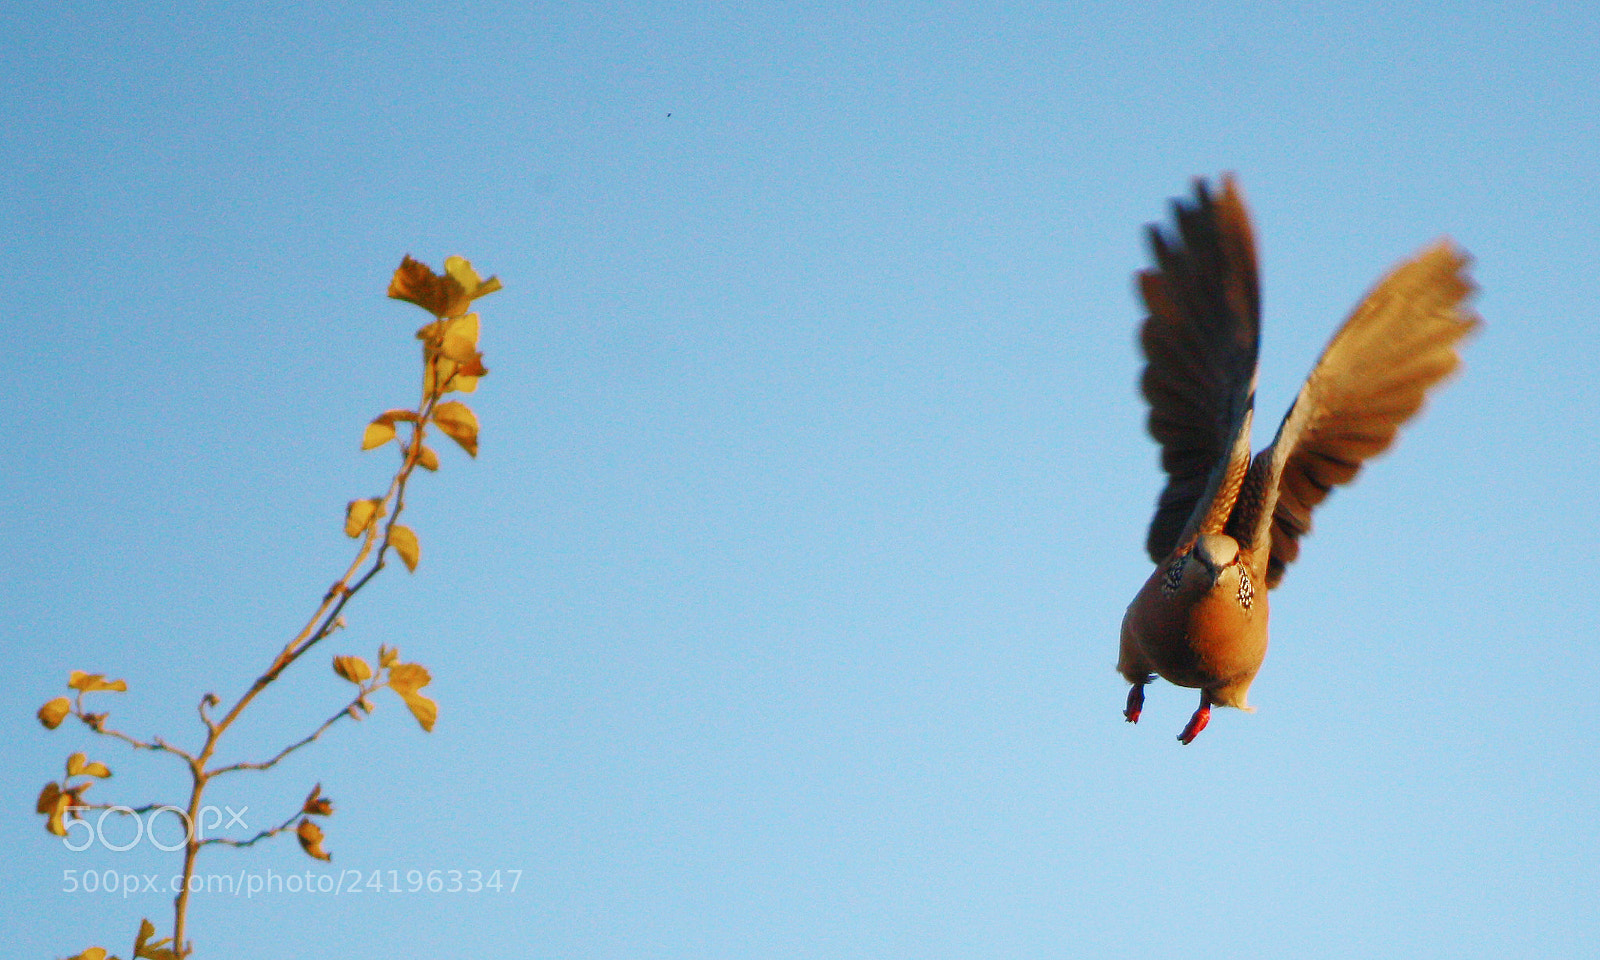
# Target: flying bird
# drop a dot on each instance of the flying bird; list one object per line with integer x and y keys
{"x": 1227, "y": 525}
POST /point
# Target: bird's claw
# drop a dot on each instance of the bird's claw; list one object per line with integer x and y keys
{"x": 1196, "y": 723}
{"x": 1135, "y": 703}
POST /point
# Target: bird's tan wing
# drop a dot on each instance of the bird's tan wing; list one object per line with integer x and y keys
{"x": 1200, "y": 343}
{"x": 1400, "y": 341}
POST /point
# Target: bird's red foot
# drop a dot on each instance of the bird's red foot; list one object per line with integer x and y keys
{"x": 1135, "y": 703}
{"x": 1197, "y": 723}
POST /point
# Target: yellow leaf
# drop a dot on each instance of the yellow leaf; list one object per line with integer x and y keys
{"x": 460, "y": 340}
{"x": 55, "y": 821}
{"x": 311, "y": 840}
{"x": 360, "y": 514}
{"x": 376, "y": 435}
{"x": 426, "y": 459}
{"x": 93, "y": 953}
{"x": 388, "y": 656}
{"x": 353, "y": 669}
{"x": 459, "y": 423}
{"x": 415, "y": 282}
{"x": 465, "y": 378}
{"x": 78, "y": 765}
{"x": 436, "y": 370}
{"x": 441, "y": 375}
{"x": 316, "y": 804}
{"x": 460, "y": 269}
{"x": 381, "y": 430}
{"x": 143, "y": 949}
{"x": 407, "y": 679}
{"x": 424, "y": 709}
{"x": 405, "y": 543}
{"x": 54, "y": 802}
{"x": 52, "y": 713}
{"x": 95, "y": 681}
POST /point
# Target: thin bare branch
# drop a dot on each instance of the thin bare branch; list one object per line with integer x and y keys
{"x": 123, "y": 810}
{"x": 97, "y": 723}
{"x": 264, "y": 834}
{"x": 291, "y": 748}
{"x": 207, "y": 702}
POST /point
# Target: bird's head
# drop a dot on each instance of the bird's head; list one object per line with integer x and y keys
{"x": 1217, "y": 551}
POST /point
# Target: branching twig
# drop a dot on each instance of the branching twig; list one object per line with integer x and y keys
{"x": 451, "y": 363}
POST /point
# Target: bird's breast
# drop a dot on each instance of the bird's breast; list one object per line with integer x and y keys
{"x": 1198, "y": 634}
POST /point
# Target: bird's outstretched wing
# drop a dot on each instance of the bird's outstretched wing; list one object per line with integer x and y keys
{"x": 1200, "y": 343}
{"x": 1400, "y": 341}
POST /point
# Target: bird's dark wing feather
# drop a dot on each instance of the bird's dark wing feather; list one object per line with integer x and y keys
{"x": 1200, "y": 343}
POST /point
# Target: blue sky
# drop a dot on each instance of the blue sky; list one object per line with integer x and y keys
{"x": 777, "y": 616}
